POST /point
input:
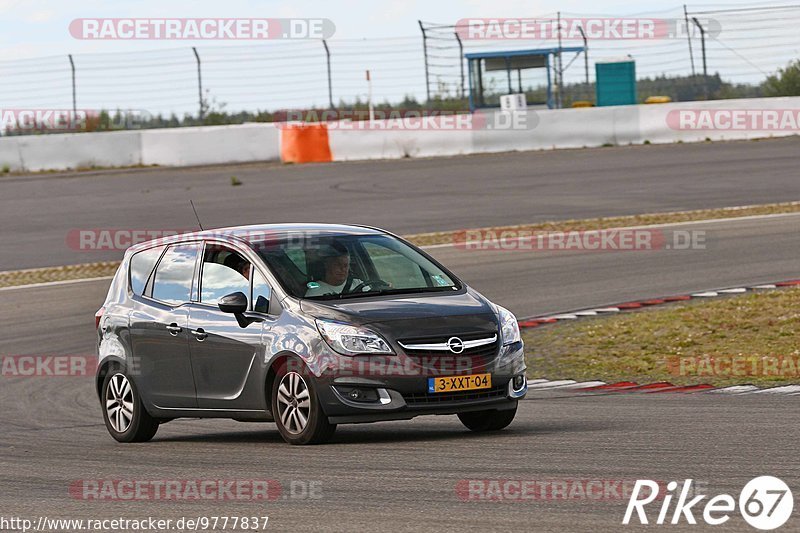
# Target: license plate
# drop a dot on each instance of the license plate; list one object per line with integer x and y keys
{"x": 459, "y": 383}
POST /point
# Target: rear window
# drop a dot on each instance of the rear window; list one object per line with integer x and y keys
{"x": 173, "y": 277}
{"x": 142, "y": 265}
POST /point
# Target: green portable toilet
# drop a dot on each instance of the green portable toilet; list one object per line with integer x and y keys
{"x": 616, "y": 82}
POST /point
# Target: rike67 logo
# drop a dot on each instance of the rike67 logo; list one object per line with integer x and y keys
{"x": 766, "y": 503}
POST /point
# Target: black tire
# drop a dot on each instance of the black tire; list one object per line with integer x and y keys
{"x": 317, "y": 429}
{"x": 142, "y": 427}
{"x": 491, "y": 420}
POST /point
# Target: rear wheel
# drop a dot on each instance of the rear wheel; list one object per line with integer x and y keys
{"x": 297, "y": 409}
{"x": 123, "y": 412}
{"x": 490, "y": 420}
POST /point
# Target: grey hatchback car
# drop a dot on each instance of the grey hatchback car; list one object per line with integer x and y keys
{"x": 306, "y": 325}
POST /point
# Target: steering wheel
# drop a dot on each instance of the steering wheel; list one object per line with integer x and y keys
{"x": 376, "y": 283}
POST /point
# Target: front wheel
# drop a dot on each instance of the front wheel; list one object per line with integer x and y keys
{"x": 298, "y": 413}
{"x": 491, "y": 420}
{"x": 123, "y": 412}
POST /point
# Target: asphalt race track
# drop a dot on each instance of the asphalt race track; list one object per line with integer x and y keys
{"x": 401, "y": 476}
{"x": 407, "y": 476}
{"x": 404, "y": 475}
{"x": 402, "y": 196}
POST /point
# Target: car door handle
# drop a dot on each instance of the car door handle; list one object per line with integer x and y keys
{"x": 174, "y": 329}
{"x": 200, "y": 334}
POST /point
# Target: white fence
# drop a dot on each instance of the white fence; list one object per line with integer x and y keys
{"x": 545, "y": 129}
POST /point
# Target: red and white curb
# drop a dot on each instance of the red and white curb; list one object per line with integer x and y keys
{"x": 638, "y": 304}
{"x": 570, "y": 385}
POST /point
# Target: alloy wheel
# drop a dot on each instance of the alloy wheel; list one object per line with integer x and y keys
{"x": 119, "y": 403}
{"x": 294, "y": 403}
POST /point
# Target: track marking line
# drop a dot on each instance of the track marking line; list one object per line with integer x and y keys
{"x": 535, "y": 381}
{"x": 659, "y": 387}
{"x": 552, "y": 384}
{"x": 785, "y": 389}
{"x": 582, "y": 385}
{"x": 735, "y": 389}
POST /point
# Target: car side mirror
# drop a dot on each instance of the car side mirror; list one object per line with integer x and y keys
{"x": 235, "y": 304}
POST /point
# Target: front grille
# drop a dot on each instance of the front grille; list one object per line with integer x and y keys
{"x": 460, "y": 396}
{"x": 469, "y": 361}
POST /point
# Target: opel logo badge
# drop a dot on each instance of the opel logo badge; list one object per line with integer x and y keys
{"x": 455, "y": 344}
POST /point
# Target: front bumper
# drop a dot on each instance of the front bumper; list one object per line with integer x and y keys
{"x": 372, "y": 398}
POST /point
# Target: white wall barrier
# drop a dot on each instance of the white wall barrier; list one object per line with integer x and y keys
{"x": 166, "y": 147}
{"x": 655, "y": 117}
{"x": 70, "y": 150}
{"x": 392, "y": 139}
{"x": 209, "y": 145}
{"x": 389, "y": 140}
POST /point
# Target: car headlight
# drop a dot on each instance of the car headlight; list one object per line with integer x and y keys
{"x": 509, "y": 328}
{"x": 347, "y": 339}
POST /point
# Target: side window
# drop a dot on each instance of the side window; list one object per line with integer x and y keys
{"x": 172, "y": 281}
{"x": 261, "y": 293}
{"x": 224, "y": 271}
{"x": 397, "y": 268}
{"x": 141, "y": 266}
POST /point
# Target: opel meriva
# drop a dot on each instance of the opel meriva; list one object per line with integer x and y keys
{"x": 306, "y": 325}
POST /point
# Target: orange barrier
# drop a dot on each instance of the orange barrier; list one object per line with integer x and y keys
{"x": 305, "y": 143}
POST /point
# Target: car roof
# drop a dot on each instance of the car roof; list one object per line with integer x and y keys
{"x": 260, "y": 232}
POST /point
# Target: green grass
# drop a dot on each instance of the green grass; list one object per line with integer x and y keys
{"x": 750, "y": 338}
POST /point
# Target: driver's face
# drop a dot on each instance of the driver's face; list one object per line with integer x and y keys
{"x": 336, "y": 270}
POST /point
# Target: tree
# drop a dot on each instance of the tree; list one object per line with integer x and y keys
{"x": 786, "y": 82}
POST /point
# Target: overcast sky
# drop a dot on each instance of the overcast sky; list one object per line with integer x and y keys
{"x": 382, "y": 36}
{"x": 32, "y": 28}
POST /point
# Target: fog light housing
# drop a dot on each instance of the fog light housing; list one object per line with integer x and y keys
{"x": 518, "y": 386}
{"x": 358, "y": 394}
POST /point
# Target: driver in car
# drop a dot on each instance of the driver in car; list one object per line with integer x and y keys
{"x": 337, "y": 270}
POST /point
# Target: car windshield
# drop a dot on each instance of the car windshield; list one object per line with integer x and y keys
{"x": 326, "y": 267}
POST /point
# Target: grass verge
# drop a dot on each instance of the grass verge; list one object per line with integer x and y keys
{"x": 749, "y": 338}
{"x": 448, "y": 237}
{"x": 101, "y": 269}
